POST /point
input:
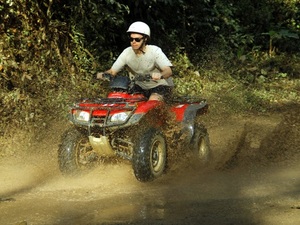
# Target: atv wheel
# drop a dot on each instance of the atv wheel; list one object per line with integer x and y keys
{"x": 149, "y": 155}
{"x": 200, "y": 144}
{"x": 75, "y": 153}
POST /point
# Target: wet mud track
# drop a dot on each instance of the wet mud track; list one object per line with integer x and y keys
{"x": 253, "y": 179}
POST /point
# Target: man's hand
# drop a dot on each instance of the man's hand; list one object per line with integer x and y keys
{"x": 103, "y": 76}
{"x": 99, "y": 75}
{"x": 156, "y": 76}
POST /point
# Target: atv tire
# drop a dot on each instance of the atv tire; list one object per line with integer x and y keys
{"x": 201, "y": 145}
{"x": 75, "y": 152}
{"x": 149, "y": 155}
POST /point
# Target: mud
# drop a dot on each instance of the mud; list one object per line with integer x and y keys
{"x": 253, "y": 178}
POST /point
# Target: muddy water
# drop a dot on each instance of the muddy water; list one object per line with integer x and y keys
{"x": 246, "y": 183}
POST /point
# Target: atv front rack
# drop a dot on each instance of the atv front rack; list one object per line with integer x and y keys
{"x": 104, "y": 113}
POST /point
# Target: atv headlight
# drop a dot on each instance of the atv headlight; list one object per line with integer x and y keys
{"x": 119, "y": 117}
{"x": 82, "y": 115}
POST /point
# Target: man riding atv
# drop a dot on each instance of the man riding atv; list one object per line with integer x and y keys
{"x": 141, "y": 58}
{"x": 132, "y": 121}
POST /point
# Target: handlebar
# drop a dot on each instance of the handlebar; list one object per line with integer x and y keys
{"x": 141, "y": 77}
{"x": 137, "y": 77}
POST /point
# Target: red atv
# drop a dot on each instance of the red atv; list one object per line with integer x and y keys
{"x": 125, "y": 124}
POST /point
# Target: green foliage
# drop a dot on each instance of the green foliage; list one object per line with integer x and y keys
{"x": 278, "y": 36}
{"x": 98, "y": 22}
{"x": 258, "y": 67}
{"x": 40, "y": 66}
{"x": 49, "y": 50}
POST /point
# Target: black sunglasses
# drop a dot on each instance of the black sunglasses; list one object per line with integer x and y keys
{"x": 136, "y": 39}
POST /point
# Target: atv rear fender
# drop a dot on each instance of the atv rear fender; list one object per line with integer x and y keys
{"x": 186, "y": 114}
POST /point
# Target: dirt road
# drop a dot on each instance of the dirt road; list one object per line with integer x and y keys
{"x": 253, "y": 179}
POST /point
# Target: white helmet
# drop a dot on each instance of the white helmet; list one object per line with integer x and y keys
{"x": 139, "y": 27}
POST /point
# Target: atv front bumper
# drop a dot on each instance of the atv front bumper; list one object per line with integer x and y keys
{"x": 90, "y": 119}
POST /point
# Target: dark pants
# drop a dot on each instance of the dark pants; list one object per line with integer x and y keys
{"x": 165, "y": 91}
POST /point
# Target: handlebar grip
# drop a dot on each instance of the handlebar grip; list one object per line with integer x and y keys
{"x": 107, "y": 76}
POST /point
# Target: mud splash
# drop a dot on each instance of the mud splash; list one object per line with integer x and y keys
{"x": 253, "y": 179}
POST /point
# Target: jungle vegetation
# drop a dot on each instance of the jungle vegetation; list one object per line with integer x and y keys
{"x": 242, "y": 54}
